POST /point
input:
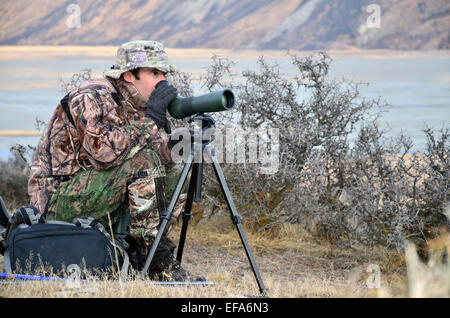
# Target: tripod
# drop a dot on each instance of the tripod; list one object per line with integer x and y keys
{"x": 194, "y": 194}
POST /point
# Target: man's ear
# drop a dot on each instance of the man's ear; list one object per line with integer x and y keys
{"x": 128, "y": 77}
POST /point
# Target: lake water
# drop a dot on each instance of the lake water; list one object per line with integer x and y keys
{"x": 417, "y": 87}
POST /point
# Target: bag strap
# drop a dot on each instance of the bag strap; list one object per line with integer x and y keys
{"x": 7, "y": 263}
{"x": 65, "y": 106}
{"x": 30, "y": 215}
{"x": 27, "y": 215}
{"x": 116, "y": 98}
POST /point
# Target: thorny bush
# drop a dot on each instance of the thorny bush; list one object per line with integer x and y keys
{"x": 371, "y": 189}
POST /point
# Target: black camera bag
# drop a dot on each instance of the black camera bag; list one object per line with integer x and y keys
{"x": 59, "y": 245}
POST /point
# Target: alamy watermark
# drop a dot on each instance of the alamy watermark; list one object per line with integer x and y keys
{"x": 374, "y": 19}
{"x": 233, "y": 145}
{"x": 73, "y": 283}
{"x": 374, "y": 279}
{"x": 74, "y": 19}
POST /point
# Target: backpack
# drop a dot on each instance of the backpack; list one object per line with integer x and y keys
{"x": 30, "y": 242}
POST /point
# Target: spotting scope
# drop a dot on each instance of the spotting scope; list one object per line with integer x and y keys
{"x": 212, "y": 102}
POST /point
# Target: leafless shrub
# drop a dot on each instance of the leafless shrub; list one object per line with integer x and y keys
{"x": 75, "y": 80}
{"x": 393, "y": 194}
{"x": 375, "y": 191}
{"x": 14, "y": 173}
{"x": 219, "y": 70}
{"x": 309, "y": 129}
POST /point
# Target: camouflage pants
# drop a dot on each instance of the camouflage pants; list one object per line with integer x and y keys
{"x": 137, "y": 186}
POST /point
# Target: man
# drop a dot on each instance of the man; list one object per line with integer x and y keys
{"x": 105, "y": 153}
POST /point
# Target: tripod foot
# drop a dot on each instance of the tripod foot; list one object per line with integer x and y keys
{"x": 174, "y": 272}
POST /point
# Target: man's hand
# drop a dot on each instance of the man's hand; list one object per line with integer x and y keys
{"x": 158, "y": 102}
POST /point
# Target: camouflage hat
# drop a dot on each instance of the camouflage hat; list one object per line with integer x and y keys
{"x": 137, "y": 54}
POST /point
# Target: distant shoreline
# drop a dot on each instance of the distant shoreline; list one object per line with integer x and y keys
{"x": 27, "y": 52}
{"x": 19, "y": 133}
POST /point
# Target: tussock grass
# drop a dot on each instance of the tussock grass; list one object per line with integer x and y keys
{"x": 292, "y": 263}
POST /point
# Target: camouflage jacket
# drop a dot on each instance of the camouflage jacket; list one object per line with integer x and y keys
{"x": 109, "y": 126}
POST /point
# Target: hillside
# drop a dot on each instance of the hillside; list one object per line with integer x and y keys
{"x": 243, "y": 24}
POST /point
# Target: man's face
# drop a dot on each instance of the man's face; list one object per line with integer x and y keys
{"x": 148, "y": 78}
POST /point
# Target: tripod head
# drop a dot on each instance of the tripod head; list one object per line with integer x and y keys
{"x": 206, "y": 122}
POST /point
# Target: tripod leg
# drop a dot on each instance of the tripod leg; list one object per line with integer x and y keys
{"x": 198, "y": 183}
{"x": 236, "y": 218}
{"x": 187, "y": 209}
{"x": 166, "y": 215}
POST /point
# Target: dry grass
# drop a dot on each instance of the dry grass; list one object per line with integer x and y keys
{"x": 292, "y": 263}
{"x": 430, "y": 279}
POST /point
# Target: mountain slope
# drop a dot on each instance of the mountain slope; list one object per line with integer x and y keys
{"x": 262, "y": 24}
